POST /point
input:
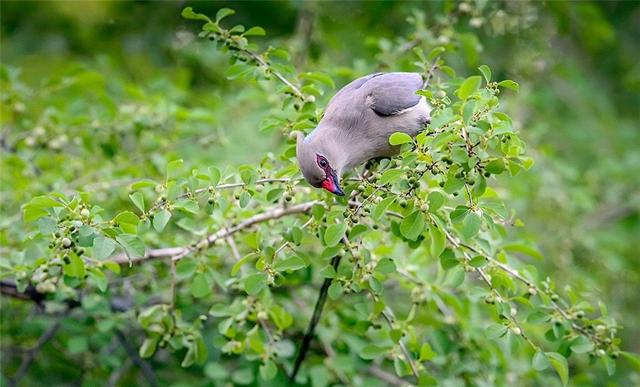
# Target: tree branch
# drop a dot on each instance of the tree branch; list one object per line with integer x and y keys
{"x": 315, "y": 318}
{"x": 147, "y": 371}
{"x": 258, "y": 58}
{"x": 177, "y": 253}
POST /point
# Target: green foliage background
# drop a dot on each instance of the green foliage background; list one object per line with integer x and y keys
{"x": 100, "y": 96}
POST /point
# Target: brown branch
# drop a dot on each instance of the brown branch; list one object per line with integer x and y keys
{"x": 387, "y": 377}
{"x": 177, "y": 253}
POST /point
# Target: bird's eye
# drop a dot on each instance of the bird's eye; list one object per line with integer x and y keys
{"x": 323, "y": 163}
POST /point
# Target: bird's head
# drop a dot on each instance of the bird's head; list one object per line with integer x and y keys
{"x": 318, "y": 163}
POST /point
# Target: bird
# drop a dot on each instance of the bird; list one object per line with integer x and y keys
{"x": 356, "y": 126}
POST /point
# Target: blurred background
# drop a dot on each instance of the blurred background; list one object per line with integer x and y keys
{"x": 130, "y": 65}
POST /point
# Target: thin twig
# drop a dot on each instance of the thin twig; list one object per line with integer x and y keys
{"x": 387, "y": 377}
{"x": 431, "y": 72}
{"x": 147, "y": 371}
{"x": 263, "y": 63}
{"x": 389, "y": 319}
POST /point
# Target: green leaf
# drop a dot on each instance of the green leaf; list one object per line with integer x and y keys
{"x": 524, "y": 249}
{"x": 268, "y": 370}
{"x": 469, "y": 86}
{"x": 486, "y": 72}
{"x": 335, "y": 290}
{"x": 292, "y": 263}
{"x": 244, "y": 200}
{"x": 174, "y": 168}
{"x": 238, "y": 265}
{"x": 375, "y": 285}
{"x": 256, "y": 31}
{"x": 334, "y": 234}
{"x": 382, "y": 207}
{"x": 448, "y": 259}
{"x": 143, "y": 184}
{"x": 188, "y": 13}
{"x": 113, "y": 266}
{"x": 45, "y": 202}
{"x": 320, "y": 77}
{"x": 495, "y": 167}
{"x": 31, "y": 213}
{"x": 435, "y": 200}
{"x": 438, "y": 241}
{"x": 186, "y": 267}
{"x": 399, "y": 138}
{"x": 540, "y": 361}
{"x": 215, "y": 371}
{"x": 214, "y": 176}
{"x": 372, "y": 351}
{"x": 559, "y": 363}
{"x": 426, "y": 353}
{"x": 633, "y": 358}
{"x": 436, "y": 52}
{"x": 77, "y": 344}
{"x": 274, "y": 194}
{"x": 494, "y": 331}
{"x": 385, "y": 266}
{"x": 201, "y": 285}
{"x": 389, "y": 176}
{"x": 148, "y": 347}
{"x": 127, "y": 221}
{"x": 509, "y": 84}
{"x": 222, "y": 13}
{"x": 581, "y": 345}
{"x": 160, "y": 220}
{"x": 478, "y": 261}
{"x": 471, "y": 225}
{"x": 75, "y": 267}
{"x": 37, "y": 207}
{"x": 132, "y": 245}
{"x": 138, "y": 200}
{"x": 103, "y": 247}
{"x": 412, "y": 225}
{"x": 537, "y": 317}
{"x": 99, "y": 278}
{"x": 254, "y": 283}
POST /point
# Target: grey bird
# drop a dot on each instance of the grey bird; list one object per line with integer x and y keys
{"x": 357, "y": 124}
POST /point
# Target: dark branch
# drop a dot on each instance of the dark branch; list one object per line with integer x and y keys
{"x": 315, "y": 318}
{"x": 147, "y": 371}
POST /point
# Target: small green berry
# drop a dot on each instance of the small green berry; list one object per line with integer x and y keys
{"x": 66, "y": 242}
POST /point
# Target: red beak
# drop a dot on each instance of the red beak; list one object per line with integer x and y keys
{"x": 331, "y": 185}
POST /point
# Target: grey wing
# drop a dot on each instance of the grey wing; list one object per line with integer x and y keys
{"x": 391, "y": 93}
{"x": 346, "y": 92}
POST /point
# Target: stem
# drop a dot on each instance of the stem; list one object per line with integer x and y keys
{"x": 177, "y": 253}
{"x": 315, "y": 318}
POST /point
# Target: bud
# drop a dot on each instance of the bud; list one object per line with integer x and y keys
{"x": 85, "y": 213}
{"x": 516, "y": 331}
